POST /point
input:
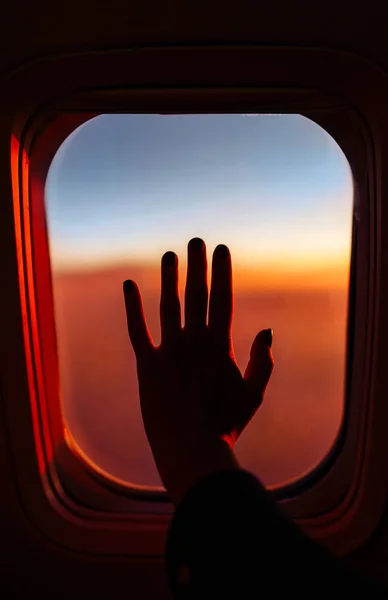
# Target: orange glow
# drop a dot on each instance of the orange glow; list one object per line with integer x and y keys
{"x": 332, "y": 274}
{"x": 303, "y": 408}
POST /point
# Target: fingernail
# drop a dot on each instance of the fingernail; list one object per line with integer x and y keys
{"x": 196, "y": 244}
{"x": 169, "y": 258}
{"x": 128, "y": 285}
{"x": 268, "y": 337}
{"x": 222, "y": 251}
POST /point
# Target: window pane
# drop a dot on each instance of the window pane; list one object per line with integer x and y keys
{"x": 123, "y": 189}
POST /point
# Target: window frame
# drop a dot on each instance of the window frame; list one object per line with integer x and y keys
{"x": 64, "y": 497}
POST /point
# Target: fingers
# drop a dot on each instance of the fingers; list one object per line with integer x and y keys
{"x": 170, "y": 308}
{"x": 137, "y": 328}
{"x": 196, "y": 294}
{"x": 221, "y": 295}
{"x": 260, "y": 366}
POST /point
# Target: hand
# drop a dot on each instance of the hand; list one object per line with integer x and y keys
{"x": 194, "y": 401}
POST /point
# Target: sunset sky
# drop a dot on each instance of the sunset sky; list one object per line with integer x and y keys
{"x": 276, "y": 189}
{"x": 122, "y": 190}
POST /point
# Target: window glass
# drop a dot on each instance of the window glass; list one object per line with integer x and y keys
{"x": 278, "y": 190}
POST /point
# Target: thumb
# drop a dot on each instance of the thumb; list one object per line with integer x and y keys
{"x": 259, "y": 369}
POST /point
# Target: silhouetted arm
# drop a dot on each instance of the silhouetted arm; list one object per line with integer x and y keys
{"x": 195, "y": 403}
{"x": 228, "y": 539}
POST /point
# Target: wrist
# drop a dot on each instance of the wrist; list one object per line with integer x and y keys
{"x": 192, "y": 463}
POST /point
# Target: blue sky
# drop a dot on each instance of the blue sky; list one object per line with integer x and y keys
{"x": 276, "y": 189}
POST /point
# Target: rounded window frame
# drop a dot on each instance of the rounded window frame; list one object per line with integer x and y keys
{"x": 327, "y": 507}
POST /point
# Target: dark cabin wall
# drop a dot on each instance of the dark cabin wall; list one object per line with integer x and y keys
{"x": 30, "y": 30}
{"x": 43, "y": 27}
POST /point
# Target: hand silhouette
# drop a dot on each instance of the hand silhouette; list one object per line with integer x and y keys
{"x": 194, "y": 401}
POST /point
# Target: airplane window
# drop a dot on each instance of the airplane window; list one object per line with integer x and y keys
{"x": 278, "y": 190}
